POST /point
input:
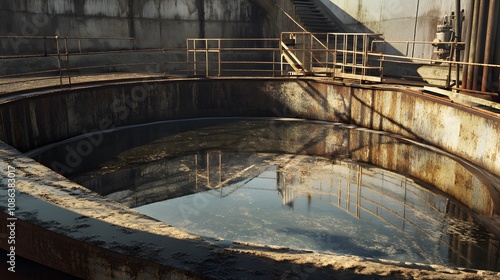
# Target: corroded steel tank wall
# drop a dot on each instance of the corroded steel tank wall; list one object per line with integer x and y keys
{"x": 31, "y": 121}
{"x": 473, "y": 135}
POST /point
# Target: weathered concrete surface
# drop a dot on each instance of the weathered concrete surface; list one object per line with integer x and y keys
{"x": 409, "y": 20}
{"x": 154, "y": 23}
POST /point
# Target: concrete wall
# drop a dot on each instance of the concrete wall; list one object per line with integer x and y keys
{"x": 155, "y": 23}
{"x": 409, "y": 20}
{"x": 28, "y": 123}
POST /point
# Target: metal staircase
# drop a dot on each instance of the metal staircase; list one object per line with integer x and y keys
{"x": 315, "y": 19}
{"x": 324, "y": 47}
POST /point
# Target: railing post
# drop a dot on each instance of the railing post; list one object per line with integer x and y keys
{"x": 67, "y": 59}
{"x": 452, "y": 54}
{"x": 327, "y": 52}
{"x": 219, "y": 55}
{"x": 195, "y": 68}
{"x": 187, "y": 56}
{"x": 206, "y": 59}
{"x": 311, "y": 53}
{"x": 274, "y": 60}
{"x": 59, "y": 60}
{"x": 45, "y": 45}
{"x": 281, "y": 54}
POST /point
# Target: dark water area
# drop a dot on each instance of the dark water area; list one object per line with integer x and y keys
{"x": 330, "y": 188}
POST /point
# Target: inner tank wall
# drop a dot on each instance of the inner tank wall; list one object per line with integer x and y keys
{"x": 28, "y": 123}
{"x": 32, "y": 122}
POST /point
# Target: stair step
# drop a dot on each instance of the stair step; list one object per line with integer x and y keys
{"x": 296, "y": 2}
{"x": 314, "y": 20}
{"x": 313, "y": 17}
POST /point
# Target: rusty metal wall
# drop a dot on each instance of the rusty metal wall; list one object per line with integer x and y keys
{"x": 30, "y": 122}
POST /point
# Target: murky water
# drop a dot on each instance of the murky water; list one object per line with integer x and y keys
{"x": 304, "y": 185}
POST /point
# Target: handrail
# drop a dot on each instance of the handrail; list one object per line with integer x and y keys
{"x": 205, "y": 54}
{"x": 63, "y": 69}
{"x": 339, "y": 57}
{"x": 301, "y": 27}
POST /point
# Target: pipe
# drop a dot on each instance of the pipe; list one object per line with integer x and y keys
{"x": 481, "y": 36}
{"x": 458, "y": 20}
{"x": 458, "y": 35}
{"x": 472, "y": 43}
{"x": 415, "y": 28}
{"x": 496, "y": 71}
{"x": 491, "y": 31}
{"x": 469, "y": 19}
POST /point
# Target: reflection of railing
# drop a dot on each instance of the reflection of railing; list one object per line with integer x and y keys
{"x": 208, "y": 175}
{"x": 395, "y": 200}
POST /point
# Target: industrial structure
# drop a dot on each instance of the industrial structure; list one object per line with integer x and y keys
{"x": 71, "y": 72}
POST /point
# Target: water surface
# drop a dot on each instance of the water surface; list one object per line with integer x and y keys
{"x": 318, "y": 186}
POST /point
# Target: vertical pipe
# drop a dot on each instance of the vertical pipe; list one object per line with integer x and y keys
{"x": 491, "y": 30}
{"x": 481, "y": 34}
{"x": 458, "y": 35}
{"x": 472, "y": 43}
{"x": 496, "y": 71}
{"x": 469, "y": 19}
{"x": 415, "y": 28}
{"x": 458, "y": 22}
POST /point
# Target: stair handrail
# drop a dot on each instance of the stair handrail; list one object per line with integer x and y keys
{"x": 301, "y": 27}
{"x": 305, "y": 32}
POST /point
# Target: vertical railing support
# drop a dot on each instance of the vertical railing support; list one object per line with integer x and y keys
{"x": 206, "y": 59}
{"x": 67, "y": 59}
{"x": 58, "y": 49}
{"x": 195, "y": 62}
{"x": 219, "y": 56}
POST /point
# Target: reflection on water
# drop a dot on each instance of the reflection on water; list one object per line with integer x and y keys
{"x": 313, "y": 203}
{"x": 302, "y": 185}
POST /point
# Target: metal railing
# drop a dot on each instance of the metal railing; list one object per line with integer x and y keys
{"x": 342, "y": 55}
{"x": 361, "y": 56}
{"x": 231, "y": 56}
{"x": 63, "y": 58}
{"x": 456, "y": 76}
